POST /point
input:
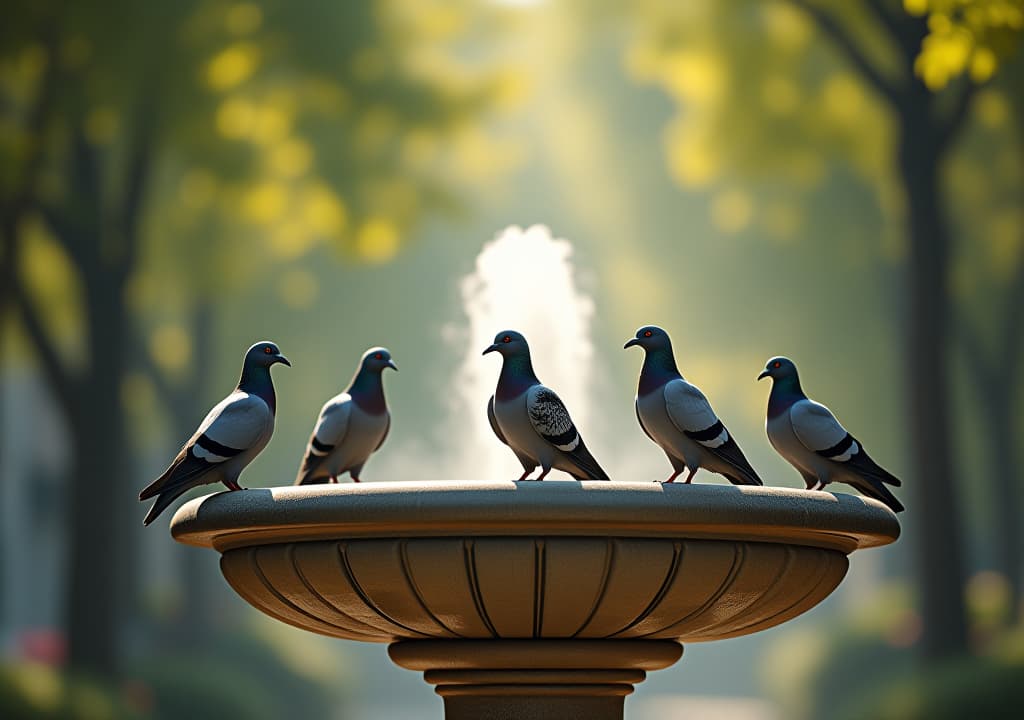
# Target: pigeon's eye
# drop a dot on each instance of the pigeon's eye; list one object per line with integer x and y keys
{"x": 647, "y": 333}
{"x": 506, "y": 339}
{"x": 379, "y": 356}
{"x": 776, "y": 364}
{"x": 268, "y": 350}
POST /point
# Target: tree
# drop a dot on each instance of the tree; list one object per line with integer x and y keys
{"x": 899, "y": 134}
{"x": 232, "y": 105}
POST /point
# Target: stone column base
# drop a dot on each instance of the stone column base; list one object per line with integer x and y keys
{"x": 534, "y": 679}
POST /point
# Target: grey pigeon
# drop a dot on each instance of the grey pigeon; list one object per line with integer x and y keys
{"x": 233, "y": 433}
{"x": 810, "y": 438}
{"x": 352, "y": 425}
{"x": 679, "y": 419}
{"x": 532, "y": 420}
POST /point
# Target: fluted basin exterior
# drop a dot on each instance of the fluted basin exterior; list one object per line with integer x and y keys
{"x": 384, "y": 562}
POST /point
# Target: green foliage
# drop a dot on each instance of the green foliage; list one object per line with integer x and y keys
{"x": 966, "y": 36}
{"x": 969, "y": 688}
{"x": 233, "y": 676}
{"x": 817, "y": 675}
{"x": 39, "y": 692}
{"x": 865, "y": 665}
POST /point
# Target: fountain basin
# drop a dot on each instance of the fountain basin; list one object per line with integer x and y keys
{"x": 488, "y": 586}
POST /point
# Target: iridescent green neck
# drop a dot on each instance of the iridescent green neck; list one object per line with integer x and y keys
{"x": 659, "y": 368}
{"x": 256, "y": 380}
{"x": 367, "y": 391}
{"x": 785, "y": 391}
{"x": 516, "y": 376}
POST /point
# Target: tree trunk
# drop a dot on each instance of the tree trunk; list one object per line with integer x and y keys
{"x": 936, "y": 509}
{"x": 197, "y": 622}
{"x": 1007, "y": 491}
{"x": 99, "y": 444}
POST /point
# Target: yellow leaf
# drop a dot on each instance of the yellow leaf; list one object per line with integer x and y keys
{"x": 265, "y": 202}
{"x": 170, "y": 347}
{"x": 983, "y": 64}
{"x": 232, "y": 65}
{"x": 322, "y": 211}
{"x": 377, "y": 240}
{"x": 235, "y": 118}
{"x": 291, "y": 158}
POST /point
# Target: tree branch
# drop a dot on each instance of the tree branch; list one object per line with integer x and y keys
{"x": 1013, "y": 337}
{"x": 954, "y": 120}
{"x": 60, "y": 380}
{"x": 843, "y": 39}
{"x": 907, "y": 32}
{"x": 140, "y": 160}
{"x": 166, "y": 393}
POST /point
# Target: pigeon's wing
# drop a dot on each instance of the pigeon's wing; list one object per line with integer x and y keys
{"x": 691, "y": 413}
{"x": 234, "y": 425}
{"x": 818, "y": 430}
{"x": 387, "y": 429}
{"x": 550, "y": 419}
{"x": 636, "y": 408}
{"x": 525, "y": 460}
{"x": 330, "y": 430}
{"x": 493, "y": 419}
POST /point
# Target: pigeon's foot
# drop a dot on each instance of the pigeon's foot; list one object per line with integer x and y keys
{"x": 354, "y": 478}
{"x": 543, "y": 474}
{"x": 524, "y": 475}
{"x": 690, "y": 476}
{"x": 673, "y": 476}
{"x": 233, "y": 485}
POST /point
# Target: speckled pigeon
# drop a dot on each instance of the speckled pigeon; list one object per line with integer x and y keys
{"x": 532, "y": 420}
{"x": 810, "y": 438}
{"x": 352, "y": 425}
{"x": 679, "y": 419}
{"x": 233, "y": 433}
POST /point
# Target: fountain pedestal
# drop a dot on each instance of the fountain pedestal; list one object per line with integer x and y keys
{"x": 534, "y": 679}
{"x": 533, "y": 600}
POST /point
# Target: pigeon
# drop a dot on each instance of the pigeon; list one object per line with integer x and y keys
{"x": 233, "y": 433}
{"x": 810, "y": 438}
{"x": 678, "y": 418}
{"x": 532, "y": 420}
{"x": 352, "y": 425}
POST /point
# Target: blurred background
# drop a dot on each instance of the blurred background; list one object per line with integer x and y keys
{"x": 837, "y": 182}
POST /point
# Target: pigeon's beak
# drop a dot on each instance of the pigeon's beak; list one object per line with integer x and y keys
{"x": 631, "y": 342}
{"x": 391, "y": 364}
{"x": 490, "y": 348}
{"x": 283, "y": 360}
{"x": 764, "y": 374}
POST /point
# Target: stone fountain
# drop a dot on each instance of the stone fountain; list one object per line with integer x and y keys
{"x": 529, "y": 600}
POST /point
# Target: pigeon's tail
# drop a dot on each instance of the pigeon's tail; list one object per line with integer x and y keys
{"x": 183, "y": 468}
{"x": 162, "y": 501}
{"x": 586, "y": 463}
{"x": 309, "y": 477}
{"x": 186, "y": 472}
{"x": 310, "y": 472}
{"x": 872, "y": 487}
{"x": 869, "y": 477}
{"x": 740, "y": 472}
